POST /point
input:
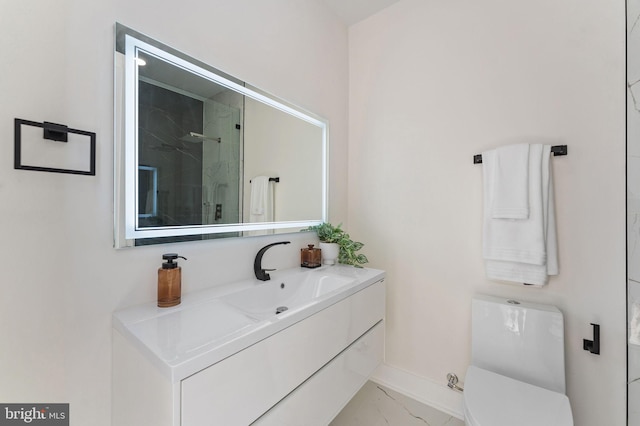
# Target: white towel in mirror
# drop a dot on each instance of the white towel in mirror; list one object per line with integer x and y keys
{"x": 261, "y": 204}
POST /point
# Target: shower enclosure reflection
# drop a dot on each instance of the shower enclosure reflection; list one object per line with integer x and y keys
{"x": 195, "y": 145}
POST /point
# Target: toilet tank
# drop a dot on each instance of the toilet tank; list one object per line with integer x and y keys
{"x": 521, "y": 340}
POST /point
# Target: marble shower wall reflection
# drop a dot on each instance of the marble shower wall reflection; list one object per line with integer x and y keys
{"x": 633, "y": 207}
{"x": 197, "y": 178}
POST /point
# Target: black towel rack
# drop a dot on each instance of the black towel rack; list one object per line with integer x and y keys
{"x": 556, "y": 150}
{"x": 54, "y": 132}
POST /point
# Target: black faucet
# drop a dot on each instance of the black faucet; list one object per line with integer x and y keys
{"x": 261, "y": 274}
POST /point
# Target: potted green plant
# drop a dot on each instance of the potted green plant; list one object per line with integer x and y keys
{"x": 337, "y": 244}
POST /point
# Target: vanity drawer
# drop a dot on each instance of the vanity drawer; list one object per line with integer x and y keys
{"x": 239, "y": 389}
{"x": 318, "y": 400}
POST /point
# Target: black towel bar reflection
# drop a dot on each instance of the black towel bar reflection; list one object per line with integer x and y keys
{"x": 555, "y": 149}
{"x": 275, "y": 179}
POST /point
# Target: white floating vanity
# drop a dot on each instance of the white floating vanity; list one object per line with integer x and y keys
{"x": 289, "y": 351}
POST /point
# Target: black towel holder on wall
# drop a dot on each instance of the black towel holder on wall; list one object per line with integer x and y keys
{"x": 54, "y": 132}
{"x": 593, "y": 346}
{"x": 556, "y": 150}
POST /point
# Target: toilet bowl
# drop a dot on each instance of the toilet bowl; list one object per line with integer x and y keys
{"x": 492, "y": 399}
{"x": 516, "y": 376}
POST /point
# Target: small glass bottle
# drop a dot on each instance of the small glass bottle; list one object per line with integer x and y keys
{"x": 169, "y": 281}
{"x": 310, "y": 257}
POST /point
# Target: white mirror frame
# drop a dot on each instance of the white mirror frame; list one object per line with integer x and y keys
{"x": 130, "y": 147}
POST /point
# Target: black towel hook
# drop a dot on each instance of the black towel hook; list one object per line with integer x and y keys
{"x": 593, "y": 346}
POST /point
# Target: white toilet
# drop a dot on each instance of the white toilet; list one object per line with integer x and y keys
{"x": 516, "y": 376}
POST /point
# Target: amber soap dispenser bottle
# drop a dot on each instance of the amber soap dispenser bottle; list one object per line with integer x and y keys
{"x": 169, "y": 281}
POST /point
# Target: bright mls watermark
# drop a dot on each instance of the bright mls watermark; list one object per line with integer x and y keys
{"x": 34, "y": 414}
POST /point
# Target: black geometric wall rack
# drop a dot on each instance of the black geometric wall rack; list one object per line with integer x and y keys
{"x": 57, "y": 133}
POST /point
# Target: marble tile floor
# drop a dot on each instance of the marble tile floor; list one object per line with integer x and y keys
{"x": 376, "y": 405}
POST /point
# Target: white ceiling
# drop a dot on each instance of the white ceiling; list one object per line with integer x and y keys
{"x": 352, "y": 11}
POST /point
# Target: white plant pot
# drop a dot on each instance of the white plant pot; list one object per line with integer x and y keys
{"x": 330, "y": 253}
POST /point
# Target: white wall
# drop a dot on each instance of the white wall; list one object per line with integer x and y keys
{"x": 61, "y": 277}
{"x": 431, "y": 84}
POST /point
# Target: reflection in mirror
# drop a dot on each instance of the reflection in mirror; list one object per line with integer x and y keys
{"x": 201, "y": 155}
{"x": 147, "y": 191}
{"x": 192, "y": 135}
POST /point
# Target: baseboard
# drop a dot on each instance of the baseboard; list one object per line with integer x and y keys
{"x": 423, "y": 390}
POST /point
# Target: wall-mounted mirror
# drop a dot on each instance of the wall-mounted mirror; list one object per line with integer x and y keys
{"x": 200, "y": 154}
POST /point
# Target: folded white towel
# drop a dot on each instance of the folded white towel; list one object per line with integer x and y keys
{"x": 510, "y": 189}
{"x": 516, "y": 240}
{"x": 522, "y": 250}
{"x": 550, "y": 216}
{"x": 523, "y": 273}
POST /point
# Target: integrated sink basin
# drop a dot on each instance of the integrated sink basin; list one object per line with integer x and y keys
{"x": 287, "y": 293}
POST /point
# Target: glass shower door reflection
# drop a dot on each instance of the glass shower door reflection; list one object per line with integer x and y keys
{"x": 221, "y": 163}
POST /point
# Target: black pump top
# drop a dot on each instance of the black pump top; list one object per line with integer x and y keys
{"x": 170, "y": 257}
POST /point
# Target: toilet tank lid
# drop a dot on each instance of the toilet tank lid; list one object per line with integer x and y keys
{"x": 496, "y": 400}
{"x": 517, "y": 303}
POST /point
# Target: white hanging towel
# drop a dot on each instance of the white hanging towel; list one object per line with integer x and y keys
{"x": 521, "y": 250}
{"x": 261, "y": 207}
{"x": 510, "y": 189}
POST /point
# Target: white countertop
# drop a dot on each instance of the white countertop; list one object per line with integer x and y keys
{"x": 204, "y": 330}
